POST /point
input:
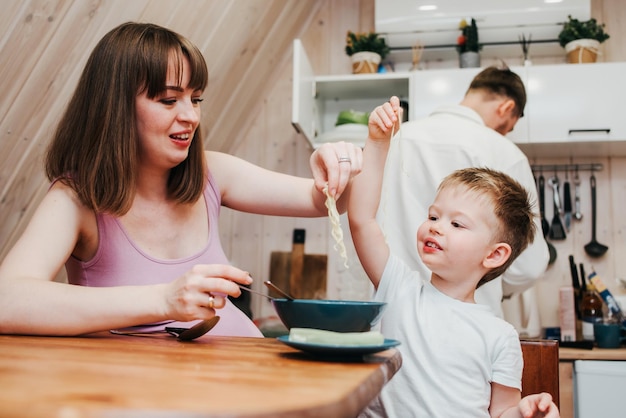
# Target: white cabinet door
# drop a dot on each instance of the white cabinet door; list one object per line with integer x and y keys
{"x": 435, "y": 88}
{"x": 303, "y": 113}
{"x": 317, "y": 100}
{"x": 576, "y": 103}
{"x": 598, "y": 387}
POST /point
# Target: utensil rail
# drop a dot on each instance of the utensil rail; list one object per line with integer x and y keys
{"x": 566, "y": 167}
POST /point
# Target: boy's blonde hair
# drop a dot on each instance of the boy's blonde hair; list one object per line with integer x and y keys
{"x": 511, "y": 204}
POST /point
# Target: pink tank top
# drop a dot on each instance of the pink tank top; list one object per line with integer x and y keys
{"x": 120, "y": 262}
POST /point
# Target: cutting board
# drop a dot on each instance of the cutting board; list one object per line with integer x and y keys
{"x": 301, "y": 275}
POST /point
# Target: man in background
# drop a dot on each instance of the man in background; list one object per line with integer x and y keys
{"x": 469, "y": 134}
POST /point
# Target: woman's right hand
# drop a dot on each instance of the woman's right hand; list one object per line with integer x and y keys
{"x": 202, "y": 290}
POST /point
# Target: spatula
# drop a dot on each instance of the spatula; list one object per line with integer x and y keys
{"x": 567, "y": 203}
{"x": 557, "y": 231}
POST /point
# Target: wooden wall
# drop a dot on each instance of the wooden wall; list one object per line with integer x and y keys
{"x": 45, "y": 43}
{"x": 247, "y": 44}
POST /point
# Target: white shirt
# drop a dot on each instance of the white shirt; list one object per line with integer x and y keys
{"x": 420, "y": 156}
{"x": 451, "y": 350}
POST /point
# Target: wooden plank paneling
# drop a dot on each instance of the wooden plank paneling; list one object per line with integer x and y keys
{"x": 9, "y": 18}
{"x": 612, "y": 13}
{"x": 162, "y": 12}
{"x": 31, "y": 31}
{"x": 28, "y": 123}
{"x": 264, "y": 64}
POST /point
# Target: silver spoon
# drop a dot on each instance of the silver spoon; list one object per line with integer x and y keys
{"x": 182, "y": 334}
{"x": 278, "y": 289}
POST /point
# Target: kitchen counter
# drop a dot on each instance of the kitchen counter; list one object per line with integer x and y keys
{"x": 567, "y": 356}
{"x": 572, "y": 354}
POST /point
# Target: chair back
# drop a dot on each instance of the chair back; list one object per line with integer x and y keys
{"x": 541, "y": 367}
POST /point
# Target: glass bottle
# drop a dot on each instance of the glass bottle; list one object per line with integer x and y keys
{"x": 591, "y": 311}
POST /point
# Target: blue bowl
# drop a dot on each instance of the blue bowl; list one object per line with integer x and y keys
{"x": 330, "y": 315}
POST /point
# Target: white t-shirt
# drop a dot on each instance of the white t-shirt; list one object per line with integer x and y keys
{"x": 420, "y": 156}
{"x": 451, "y": 350}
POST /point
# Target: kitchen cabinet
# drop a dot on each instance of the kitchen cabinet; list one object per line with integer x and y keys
{"x": 599, "y": 388}
{"x": 576, "y": 102}
{"x": 572, "y": 406}
{"x": 572, "y": 110}
{"x": 317, "y": 100}
{"x": 566, "y": 103}
{"x": 575, "y": 110}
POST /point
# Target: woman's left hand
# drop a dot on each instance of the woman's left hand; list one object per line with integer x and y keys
{"x": 335, "y": 163}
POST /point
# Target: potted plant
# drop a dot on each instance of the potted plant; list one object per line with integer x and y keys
{"x": 582, "y": 39}
{"x": 467, "y": 44}
{"x": 366, "y": 51}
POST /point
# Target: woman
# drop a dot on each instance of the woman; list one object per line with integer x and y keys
{"x": 133, "y": 207}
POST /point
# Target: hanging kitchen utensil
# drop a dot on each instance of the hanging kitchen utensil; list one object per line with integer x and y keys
{"x": 594, "y": 248}
{"x": 545, "y": 226}
{"x": 567, "y": 203}
{"x": 577, "y": 215}
{"x": 557, "y": 231}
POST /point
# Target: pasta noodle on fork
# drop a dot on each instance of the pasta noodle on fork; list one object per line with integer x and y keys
{"x": 336, "y": 231}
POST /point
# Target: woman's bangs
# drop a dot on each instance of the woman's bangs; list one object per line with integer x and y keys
{"x": 199, "y": 77}
{"x": 154, "y": 69}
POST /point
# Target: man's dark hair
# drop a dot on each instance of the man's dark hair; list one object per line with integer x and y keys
{"x": 502, "y": 81}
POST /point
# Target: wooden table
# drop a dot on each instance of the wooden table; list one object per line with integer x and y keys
{"x": 104, "y": 375}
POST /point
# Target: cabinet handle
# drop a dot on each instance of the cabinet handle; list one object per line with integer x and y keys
{"x": 577, "y": 131}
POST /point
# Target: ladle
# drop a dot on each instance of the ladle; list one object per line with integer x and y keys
{"x": 182, "y": 334}
{"x": 278, "y": 289}
{"x": 594, "y": 248}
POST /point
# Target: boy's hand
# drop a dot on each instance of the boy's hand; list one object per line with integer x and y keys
{"x": 384, "y": 119}
{"x": 538, "y": 405}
